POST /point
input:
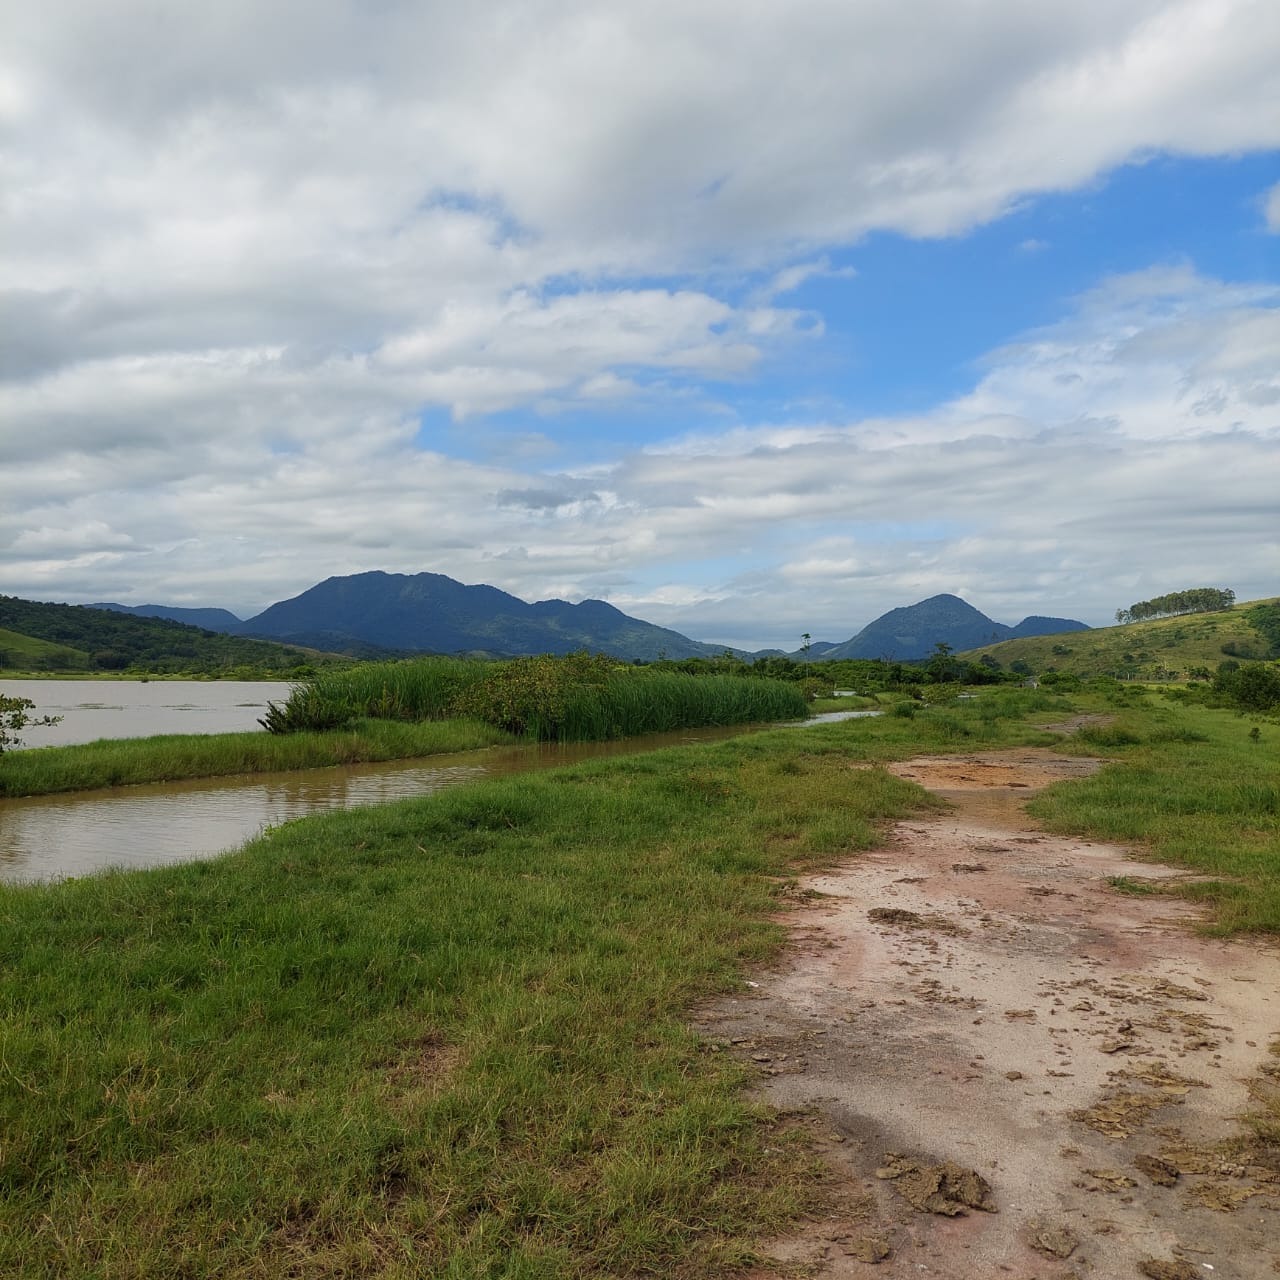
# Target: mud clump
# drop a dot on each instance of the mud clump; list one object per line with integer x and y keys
{"x": 1053, "y": 1240}
{"x": 870, "y": 1249}
{"x": 1161, "y": 1172}
{"x": 1172, "y": 991}
{"x": 896, "y": 916}
{"x": 1111, "y": 1179}
{"x": 901, "y": 918}
{"x": 1120, "y": 1114}
{"x": 947, "y": 1188}
{"x": 1158, "y": 1269}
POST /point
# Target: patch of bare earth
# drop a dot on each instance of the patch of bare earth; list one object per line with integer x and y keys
{"x": 1014, "y": 1069}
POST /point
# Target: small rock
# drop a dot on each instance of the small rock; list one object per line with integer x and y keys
{"x": 1114, "y": 1046}
{"x": 1014, "y": 1075}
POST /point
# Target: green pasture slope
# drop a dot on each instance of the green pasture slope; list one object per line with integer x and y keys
{"x": 448, "y": 1037}
{"x": 1163, "y": 649}
{"x": 74, "y": 640}
{"x": 27, "y": 653}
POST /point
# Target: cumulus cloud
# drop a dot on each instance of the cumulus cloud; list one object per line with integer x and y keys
{"x": 256, "y": 256}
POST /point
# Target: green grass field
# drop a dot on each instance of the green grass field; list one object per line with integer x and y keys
{"x": 442, "y": 1037}
{"x": 447, "y": 1037}
{"x": 1195, "y": 788}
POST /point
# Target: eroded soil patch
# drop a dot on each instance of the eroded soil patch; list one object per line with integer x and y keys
{"x": 975, "y": 997}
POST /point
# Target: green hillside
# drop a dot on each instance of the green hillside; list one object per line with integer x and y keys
{"x": 61, "y": 637}
{"x": 1162, "y": 649}
{"x": 26, "y": 653}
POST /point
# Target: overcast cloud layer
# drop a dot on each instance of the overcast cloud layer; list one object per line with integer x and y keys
{"x": 493, "y": 290}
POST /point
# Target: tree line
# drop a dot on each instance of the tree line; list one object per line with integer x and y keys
{"x": 1192, "y": 600}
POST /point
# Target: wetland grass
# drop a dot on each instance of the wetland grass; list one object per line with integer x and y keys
{"x": 578, "y": 698}
{"x": 173, "y": 757}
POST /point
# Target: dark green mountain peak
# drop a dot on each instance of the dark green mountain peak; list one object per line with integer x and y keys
{"x": 913, "y": 632}
{"x": 430, "y": 612}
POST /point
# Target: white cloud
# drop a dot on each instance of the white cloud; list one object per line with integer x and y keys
{"x": 253, "y": 254}
{"x": 1018, "y": 493}
{"x": 1271, "y": 209}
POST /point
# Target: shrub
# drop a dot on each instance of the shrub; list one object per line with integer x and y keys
{"x": 1253, "y": 686}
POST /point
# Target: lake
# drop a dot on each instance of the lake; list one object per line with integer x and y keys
{"x": 92, "y": 709}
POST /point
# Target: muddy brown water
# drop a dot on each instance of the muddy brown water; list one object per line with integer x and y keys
{"x": 93, "y": 709}
{"x": 52, "y": 837}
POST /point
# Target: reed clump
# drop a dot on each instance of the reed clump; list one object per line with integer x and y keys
{"x": 579, "y": 698}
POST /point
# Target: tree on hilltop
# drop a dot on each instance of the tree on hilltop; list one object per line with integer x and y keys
{"x": 1176, "y": 603}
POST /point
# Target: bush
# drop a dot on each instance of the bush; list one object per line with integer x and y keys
{"x": 1062, "y": 681}
{"x": 533, "y": 695}
{"x": 1253, "y": 686}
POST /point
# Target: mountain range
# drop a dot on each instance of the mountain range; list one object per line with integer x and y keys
{"x": 913, "y": 632}
{"x": 429, "y": 612}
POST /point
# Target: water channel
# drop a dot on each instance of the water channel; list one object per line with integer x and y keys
{"x": 51, "y": 837}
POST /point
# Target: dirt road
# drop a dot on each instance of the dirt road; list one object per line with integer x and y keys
{"x": 971, "y": 1019}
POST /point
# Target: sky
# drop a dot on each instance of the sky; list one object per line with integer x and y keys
{"x": 753, "y": 319}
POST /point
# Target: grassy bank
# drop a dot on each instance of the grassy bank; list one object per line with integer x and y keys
{"x": 173, "y": 757}
{"x": 1196, "y": 788}
{"x": 443, "y": 1037}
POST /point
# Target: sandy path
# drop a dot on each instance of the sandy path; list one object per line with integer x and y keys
{"x": 1031, "y": 1024}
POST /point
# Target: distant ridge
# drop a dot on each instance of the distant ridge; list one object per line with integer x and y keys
{"x": 914, "y": 631}
{"x": 210, "y": 619}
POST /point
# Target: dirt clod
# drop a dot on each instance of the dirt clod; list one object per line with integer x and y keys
{"x": 900, "y": 918}
{"x": 946, "y": 1188}
{"x": 1118, "y": 1115}
{"x": 1174, "y": 1269}
{"x": 868, "y": 1249}
{"x": 1053, "y": 1239}
{"x": 1161, "y": 1172}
